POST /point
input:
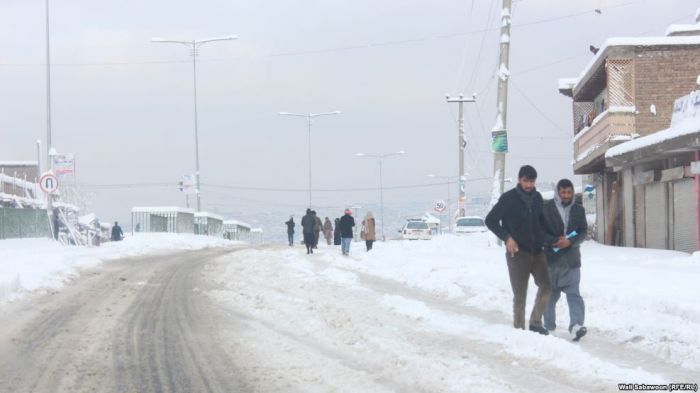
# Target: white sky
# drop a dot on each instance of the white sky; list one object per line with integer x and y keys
{"x": 124, "y": 105}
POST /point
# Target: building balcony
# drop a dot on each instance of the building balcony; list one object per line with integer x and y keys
{"x": 611, "y": 127}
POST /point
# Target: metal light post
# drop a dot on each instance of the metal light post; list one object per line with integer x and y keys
{"x": 309, "y": 119}
{"x": 462, "y": 144}
{"x": 194, "y": 52}
{"x": 49, "y": 143}
{"x": 449, "y": 180}
{"x": 380, "y": 158}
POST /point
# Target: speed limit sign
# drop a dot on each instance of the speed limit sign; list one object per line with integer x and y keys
{"x": 48, "y": 183}
{"x": 440, "y": 206}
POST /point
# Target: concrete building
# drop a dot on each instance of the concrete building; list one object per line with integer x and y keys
{"x": 628, "y": 91}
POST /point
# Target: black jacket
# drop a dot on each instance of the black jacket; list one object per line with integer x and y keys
{"x": 308, "y": 223}
{"x": 512, "y": 217}
{"x": 290, "y": 227}
{"x": 346, "y": 224}
{"x": 554, "y": 228}
{"x": 117, "y": 233}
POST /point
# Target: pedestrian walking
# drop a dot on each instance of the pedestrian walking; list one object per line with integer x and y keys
{"x": 318, "y": 227}
{"x": 517, "y": 220}
{"x": 336, "y": 232}
{"x": 117, "y": 234}
{"x": 328, "y": 230}
{"x": 308, "y": 223}
{"x": 290, "y": 231}
{"x": 565, "y": 228}
{"x": 347, "y": 222}
{"x": 368, "y": 232}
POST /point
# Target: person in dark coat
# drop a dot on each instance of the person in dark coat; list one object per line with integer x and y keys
{"x": 318, "y": 227}
{"x": 117, "y": 233}
{"x": 290, "y": 231}
{"x": 336, "y": 232}
{"x": 308, "y": 223}
{"x": 517, "y": 219}
{"x": 347, "y": 222}
{"x": 564, "y": 230}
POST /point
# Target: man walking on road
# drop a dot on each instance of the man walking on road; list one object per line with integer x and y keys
{"x": 347, "y": 222}
{"x": 328, "y": 230}
{"x": 565, "y": 230}
{"x": 517, "y": 220}
{"x": 290, "y": 231}
{"x": 308, "y": 223}
{"x": 318, "y": 226}
{"x": 117, "y": 234}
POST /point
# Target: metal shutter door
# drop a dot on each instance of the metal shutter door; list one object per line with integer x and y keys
{"x": 655, "y": 216}
{"x": 639, "y": 225}
{"x": 684, "y": 216}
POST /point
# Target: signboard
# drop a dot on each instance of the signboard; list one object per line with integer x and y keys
{"x": 440, "y": 206}
{"x": 685, "y": 107}
{"x": 63, "y": 164}
{"x": 48, "y": 183}
{"x": 187, "y": 185}
{"x": 499, "y": 141}
{"x": 695, "y": 167}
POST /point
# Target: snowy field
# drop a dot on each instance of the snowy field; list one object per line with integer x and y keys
{"x": 436, "y": 316}
{"x": 30, "y": 264}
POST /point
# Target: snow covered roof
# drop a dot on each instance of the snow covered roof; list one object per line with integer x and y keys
{"x": 430, "y": 219}
{"x": 208, "y": 215}
{"x": 565, "y": 83}
{"x": 161, "y": 209}
{"x": 257, "y": 230}
{"x": 686, "y": 126}
{"x": 237, "y": 223}
{"x": 675, "y": 30}
{"x": 18, "y": 163}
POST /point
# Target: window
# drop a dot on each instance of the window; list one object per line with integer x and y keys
{"x": 417, "y": 225}
{"x": 470, "y": 222}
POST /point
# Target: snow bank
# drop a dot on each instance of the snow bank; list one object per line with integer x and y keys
{"x": 646, "y": 299}
{"x": 29, "y": 264}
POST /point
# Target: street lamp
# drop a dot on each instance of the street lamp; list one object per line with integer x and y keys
{"x": 194, "y": 52}
{"x": 449, "y": 180}
{"x": 309, "y": 119}
{"x": 380, "y": 158}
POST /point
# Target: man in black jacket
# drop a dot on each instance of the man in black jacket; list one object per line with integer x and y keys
{"x": 347, "y": 222}
{"x": 565, "y": 230}
{"x": 517, "y": 220}
{"x": 308, "y": 223}
{"x": 290, "y": 231}
{"x": 117, "y": 234}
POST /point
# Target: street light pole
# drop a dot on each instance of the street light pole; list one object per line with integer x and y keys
{"x": 49, "y": 142}
{"x": 194, "y": 46}
{"x": 380, "y": 158}
{"x": 309, "y": 119}
{"x": 462, "y": 145}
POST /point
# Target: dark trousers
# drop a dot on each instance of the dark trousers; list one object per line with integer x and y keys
{"x": 520, "y": 267}
{"x": 309, "y": 239}
{"x": 368, "y": 243}
{"x": 290, "y": 236}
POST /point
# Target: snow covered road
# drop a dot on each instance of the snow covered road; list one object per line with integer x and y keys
{"x": 407, "y": 317}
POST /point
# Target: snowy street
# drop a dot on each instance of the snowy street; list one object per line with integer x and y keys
{"x": 430, "y": 316}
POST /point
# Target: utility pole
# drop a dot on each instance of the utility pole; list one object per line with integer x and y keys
{"x": 49, "y": 142}
{"x": 499, "y": 133}
{"x": 380, "y": 160}
{"x": 194, "y": 46}
{"x": 462, "y": 145}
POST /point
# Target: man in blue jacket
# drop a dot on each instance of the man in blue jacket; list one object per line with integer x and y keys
{"x": 565, "y": 230}
{"x": 517, "y": 220}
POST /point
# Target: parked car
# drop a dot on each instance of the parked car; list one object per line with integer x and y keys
{"x": 416, "y": 230}
{"x": 467, "y": 225}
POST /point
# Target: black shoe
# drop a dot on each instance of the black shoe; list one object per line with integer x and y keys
{"x": 539, "y": 329}
{"x": 579, "y": 333}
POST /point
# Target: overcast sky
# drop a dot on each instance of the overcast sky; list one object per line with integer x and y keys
{"x": 123, "y": 105}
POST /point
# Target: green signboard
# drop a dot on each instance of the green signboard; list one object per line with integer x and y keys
{"x": 499, "y": 141}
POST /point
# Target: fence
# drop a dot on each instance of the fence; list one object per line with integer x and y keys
{"x": 23, "y": 223}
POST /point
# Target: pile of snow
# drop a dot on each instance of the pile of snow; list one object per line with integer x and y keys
{"x": 29, "y": 264}
{"x": 638, "y": 298}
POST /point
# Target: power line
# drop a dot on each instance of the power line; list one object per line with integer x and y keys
{"x": 325, "y": 50}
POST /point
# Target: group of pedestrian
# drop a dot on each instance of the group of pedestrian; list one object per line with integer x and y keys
{"x": 340, "y": 232}
{"x": 543, "y": 240}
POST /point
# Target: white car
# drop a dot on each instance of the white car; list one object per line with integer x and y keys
{"x": 416, "y": 230}
{"x": 468, "y": 225}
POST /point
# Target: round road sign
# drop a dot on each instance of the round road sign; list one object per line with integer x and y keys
{"x": 48, "y": 183}
{"x": 440, "y": 206}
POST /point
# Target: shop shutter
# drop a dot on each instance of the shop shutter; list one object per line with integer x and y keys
{"x": 684, "y": 215}
{"x": 655, "y": 216}
{"x": 639, "y": 225}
